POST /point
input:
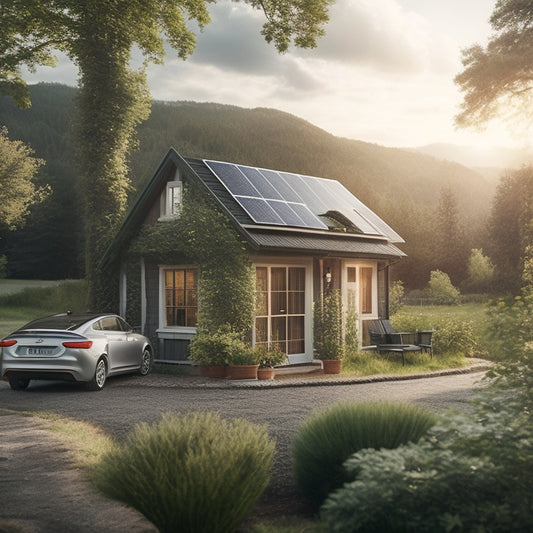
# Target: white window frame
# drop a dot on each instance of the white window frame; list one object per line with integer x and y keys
{"x": 174, "y": 332}
{"x": 168, "y": 208}
{"x": 358, "y": 265}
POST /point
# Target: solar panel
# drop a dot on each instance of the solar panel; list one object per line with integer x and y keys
{"x": 285, "y": 198}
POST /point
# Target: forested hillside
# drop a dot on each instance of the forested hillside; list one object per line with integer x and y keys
{"x": 408, "y": 189}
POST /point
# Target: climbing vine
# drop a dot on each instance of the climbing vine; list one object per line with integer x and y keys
{"x": 202, "y": 235}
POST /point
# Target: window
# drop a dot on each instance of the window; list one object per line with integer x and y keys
{"x": 366, "y": 289}
{"x": 280, "y": 308}
{"x": 172, "y": 198}
{"x": 181, "y": 297}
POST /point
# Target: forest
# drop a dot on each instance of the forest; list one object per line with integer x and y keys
{"x": 440, "y": 208}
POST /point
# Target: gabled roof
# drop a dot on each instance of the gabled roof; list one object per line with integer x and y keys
{"x": 273, "y": 210}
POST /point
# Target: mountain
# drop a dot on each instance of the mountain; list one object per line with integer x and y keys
{"x": 496, "y": 158}
{"x": 396, "y": 183}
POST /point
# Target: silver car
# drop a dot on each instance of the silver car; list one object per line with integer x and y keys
{"x": 73, "y": 347}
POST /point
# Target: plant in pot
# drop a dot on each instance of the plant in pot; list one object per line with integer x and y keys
{"x": 243, "y": 361}
{"x": 328, "y": 334}
{"x": 211, "y": 350}
{"x": 268, "y": 359}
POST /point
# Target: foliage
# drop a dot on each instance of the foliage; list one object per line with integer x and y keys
{"x": 450, "y": 244}
{"x": 327, "y": 326}
{"x": 451, "y": 334}
{"x": 510, "y": 228}
{"x": 480, "y": 272}
{"x": 195, "y": 472}
{"x": 18, "y": 192}
{"x": 326, "y": 439}
{"x": 396, "y": 295}
{"x": 269, "y": 358}
{"x": 496, "y": 80}
{"x": 3, "y": 266}
{"x": 511, "y": 327}
{"x": 471, "y": 473}
{"x": 441, "y": 290}
{"x": 203, "y": 235}
{"x": 351, "y": 333}
{"x": 216, "y": 348}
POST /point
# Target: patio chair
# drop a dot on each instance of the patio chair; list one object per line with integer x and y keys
{"x": 385, "y": 343}
{"x": 424, "y": 339}
{"x": 397, "y": 337}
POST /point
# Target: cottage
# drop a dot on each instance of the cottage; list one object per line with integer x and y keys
{"x": 300, "y": 236}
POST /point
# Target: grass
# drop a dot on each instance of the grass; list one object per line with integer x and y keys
{"x": 22, "y": 301}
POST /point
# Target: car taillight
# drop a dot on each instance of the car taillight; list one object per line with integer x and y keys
{"x": 78, "y": 344}
{"x": 6, "y": 343}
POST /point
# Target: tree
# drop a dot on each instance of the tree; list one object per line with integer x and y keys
{"x": 480, "y": 272}
{"x": 18, "y": 192}
{"x": 510, "y": 228}
{"x": 450, "y": 248}
{"x": 114, "y": 99}
{"x": 498, "y": 80}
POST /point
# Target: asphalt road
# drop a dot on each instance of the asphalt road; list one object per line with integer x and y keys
{"x": 128, "y": 400}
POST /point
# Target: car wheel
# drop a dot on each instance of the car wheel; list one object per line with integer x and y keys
{"x": 146, "y": 363}
{"x": 17, "y": 383}
{"x": 100, "y": 375}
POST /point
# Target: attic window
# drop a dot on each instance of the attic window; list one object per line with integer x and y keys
{"x": 172, "y": 198}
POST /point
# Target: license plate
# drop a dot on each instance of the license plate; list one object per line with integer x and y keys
{"x": 40, "y": 351}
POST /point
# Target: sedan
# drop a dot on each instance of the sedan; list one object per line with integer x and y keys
{"x": 73, "y": 347}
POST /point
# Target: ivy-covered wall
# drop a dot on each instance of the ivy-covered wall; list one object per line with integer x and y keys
{"x": 201, "y": 235}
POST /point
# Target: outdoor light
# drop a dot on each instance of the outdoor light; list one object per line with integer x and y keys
{"x": 328, "y": 278}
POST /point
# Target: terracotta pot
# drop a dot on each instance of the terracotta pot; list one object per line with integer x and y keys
{"x": 331, "y": 366}
{"x": 265, "y": 373}
{"x": 213, "y": 371}
{"x": 242, "y": 371}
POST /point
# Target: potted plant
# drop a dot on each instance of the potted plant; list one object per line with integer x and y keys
{"x": 243, "y": 362}
{"x": 328, "y": 334}
{"x": 268, "y": 359}
{"x": 211, "y": 351}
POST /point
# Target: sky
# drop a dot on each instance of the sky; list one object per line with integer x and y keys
{"x": 382, "y": 74}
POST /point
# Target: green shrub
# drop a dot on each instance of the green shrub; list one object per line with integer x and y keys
{"x": 218, "y": 348}
{"x": 3, "y": 266}
{"x": 471, "y": 473}
{"x": 396, "y": 296}
{"x": 441, "y": 290}
{"x": 269, "y": 358}
{"x": 189, "y": 473}
{"x": 451, "y": 335}
{"x": 328, "y": 438}
{"x": 327, "y": 326}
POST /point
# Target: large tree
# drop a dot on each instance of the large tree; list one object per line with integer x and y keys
{"x": 18, "y": 191}
{"x": 99, "y": 37}
{"x": 497, "y": 80}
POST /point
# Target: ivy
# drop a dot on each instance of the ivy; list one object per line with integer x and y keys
{"x": 202, "y": 235}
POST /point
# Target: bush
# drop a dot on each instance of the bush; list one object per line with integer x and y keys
{"x": 218, "y": 348}
{"x": 327, "y": 439}
{"x": 327, "y": 326}
{"x": 451, "y": 335}
{"x": 396, "y": 296}
{"x": 441, "y": 290}
{"x": 472, "y": 473}
{"x": 189, "y": 473}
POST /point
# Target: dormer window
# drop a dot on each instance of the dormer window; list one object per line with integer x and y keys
{"x": 173, "y": 198}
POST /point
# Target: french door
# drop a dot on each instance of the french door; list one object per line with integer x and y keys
{"x": 280, "y": 308}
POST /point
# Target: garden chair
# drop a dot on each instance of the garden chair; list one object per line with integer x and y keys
{"x": 384, "y": 343}
{"x": 424, "y": 339}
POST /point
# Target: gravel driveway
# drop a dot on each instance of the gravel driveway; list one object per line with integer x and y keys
{"x": 41, "y": 492}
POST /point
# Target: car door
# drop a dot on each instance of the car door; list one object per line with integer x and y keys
{"x": 120, "y": 351}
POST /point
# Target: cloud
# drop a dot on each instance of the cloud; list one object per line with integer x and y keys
{"x": 383, "y": 36}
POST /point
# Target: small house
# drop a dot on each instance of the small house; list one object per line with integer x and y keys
{"x": 300, "y": 236}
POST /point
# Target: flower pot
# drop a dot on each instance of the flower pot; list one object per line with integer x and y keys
{"x": 242, "y": 371}
{"x": 265, "y": 373}
{"x": 331, "y": 366}
{"x": 213, "y": 371}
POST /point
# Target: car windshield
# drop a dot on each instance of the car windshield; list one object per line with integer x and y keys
{"x": 64, "y": 322}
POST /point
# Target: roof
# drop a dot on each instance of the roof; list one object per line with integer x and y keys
{"x": 311, "y": 215}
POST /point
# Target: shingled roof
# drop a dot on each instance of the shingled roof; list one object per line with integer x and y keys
{"x": 345, "y": 228}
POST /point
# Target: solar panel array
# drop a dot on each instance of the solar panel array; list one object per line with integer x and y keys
{"x": 284, "y": 198}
